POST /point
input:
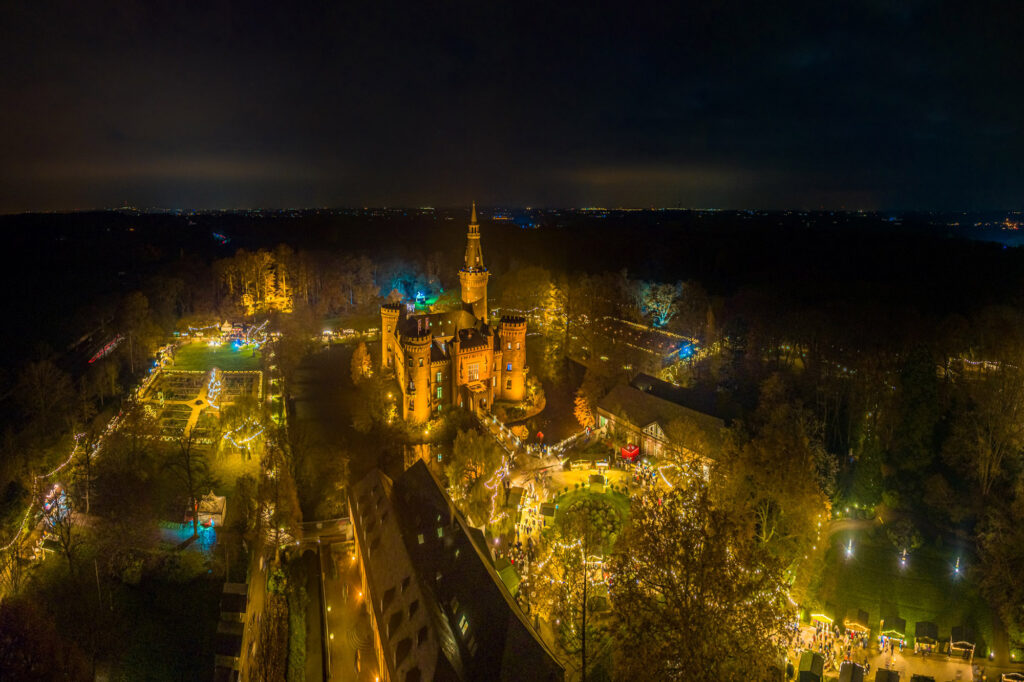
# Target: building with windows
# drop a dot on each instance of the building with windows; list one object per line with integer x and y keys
{"x": 640, "y": 413}
{"x": 456, "y": 357}
{"x": 437, "y": 606}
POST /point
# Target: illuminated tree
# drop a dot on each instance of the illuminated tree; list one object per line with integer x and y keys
{"x": 360, "y": 363}
{"x": 695, "y": 599}
{"x": 280, "y": 513}
{"x": 775, "y": 479}
{"x": 584, "y": 414}
{"x": 475, "y": 455}
{"x": 659, "y": 301}
{"x": 567, "y": 578}
{"x": 242, "y": 426}
{"x": 687, "y": 436}
{"x": 13, "y": 566}
{"x": 59, "y": 522}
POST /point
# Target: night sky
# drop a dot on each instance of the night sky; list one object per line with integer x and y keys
{"x": 887, "y": 104}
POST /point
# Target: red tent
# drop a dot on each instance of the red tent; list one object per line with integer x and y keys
{"x": 630, "y": 452}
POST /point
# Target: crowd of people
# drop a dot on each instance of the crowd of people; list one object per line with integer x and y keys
{"x": 835, "y": 645}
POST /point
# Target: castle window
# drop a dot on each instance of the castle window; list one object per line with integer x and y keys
{"x": 410, "y": 362}
{"x": 508, "y": 367}
{"x": 439, "y": 391}
{"x": 510, "y": 345}
{"x": 412, "y": 405}
{"x": 508, "y": 385}
{"x": 421, "y": 362}
{"x": 474, "y": 371}
{"x": 389, "y": 329}
{"x": 438, "y": 377}
{"x": 517, "y": 345}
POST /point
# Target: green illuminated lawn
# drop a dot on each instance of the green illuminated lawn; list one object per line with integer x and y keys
{"x": 925, "y": 590}
{"x": 199, "y": 356}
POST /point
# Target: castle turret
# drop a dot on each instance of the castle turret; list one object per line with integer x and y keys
{"x": 389, "y": 314}
{"x": 473, "y": 275}
{"x": 416, "y": 377}
{"x": 513, "y": 358}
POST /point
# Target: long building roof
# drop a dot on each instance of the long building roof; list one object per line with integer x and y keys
{"x": 420, "y": 548}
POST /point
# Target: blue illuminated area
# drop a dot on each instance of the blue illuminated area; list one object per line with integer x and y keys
{"x": 686, "y": 350}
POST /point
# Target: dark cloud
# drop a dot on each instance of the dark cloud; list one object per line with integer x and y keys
{"x": 871, "y": 104}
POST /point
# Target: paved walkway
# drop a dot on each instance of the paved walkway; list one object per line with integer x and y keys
{"x": 346, "y": 619}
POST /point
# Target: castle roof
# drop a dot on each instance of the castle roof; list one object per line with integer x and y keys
{"x": 442, "y": 324}
{"x": 473, "y": 338}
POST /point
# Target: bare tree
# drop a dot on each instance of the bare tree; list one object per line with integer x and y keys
{"x": 189, "y": 464}
{"x": 58, "y": 518}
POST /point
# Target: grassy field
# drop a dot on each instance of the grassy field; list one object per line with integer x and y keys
{"x": 199, "y": 356}
{"x": 925, "y": 590}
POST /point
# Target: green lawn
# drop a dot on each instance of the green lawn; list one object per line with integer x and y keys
{"x": 199, "y": 356}
{"x": 925, "y": 590}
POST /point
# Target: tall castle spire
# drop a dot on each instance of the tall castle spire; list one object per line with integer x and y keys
{"x": 473, "y": 275}
{"x": 474, "y": 256}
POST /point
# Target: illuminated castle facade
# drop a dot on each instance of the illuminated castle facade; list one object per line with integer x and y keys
{"x": 455, "y": 357}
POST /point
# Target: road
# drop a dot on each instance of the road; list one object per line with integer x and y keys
{"x": 347, "y": 625}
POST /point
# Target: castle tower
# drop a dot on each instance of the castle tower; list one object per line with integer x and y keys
{"x": 473, "y": 275}
{"x": 389, "y": 314}
{"x": 513, "y": 358}
{"x": 416, "y": 379}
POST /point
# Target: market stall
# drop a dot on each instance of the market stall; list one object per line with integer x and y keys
{"x": 926, "y": 637}
{"x": 892, "y": 633}
{"x": 961, "y": 643}
{"x": 630, "y": 452}
{"x": 857, "y": 621}
{"x": 821, "y": 618}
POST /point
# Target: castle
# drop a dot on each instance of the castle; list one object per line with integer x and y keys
{"x": 455, "y": 357}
